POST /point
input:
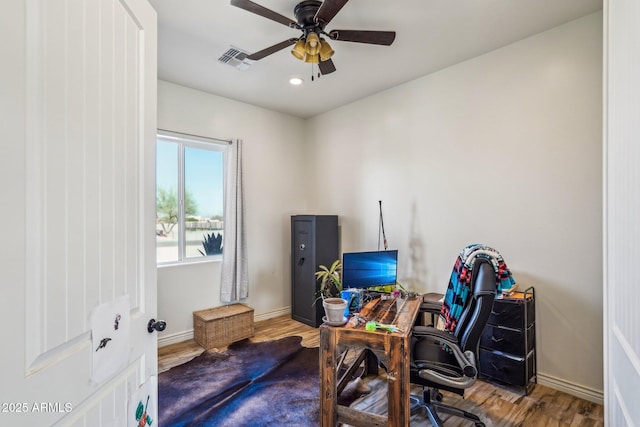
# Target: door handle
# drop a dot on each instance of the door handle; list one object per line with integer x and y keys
{"x": 156, "y": 325}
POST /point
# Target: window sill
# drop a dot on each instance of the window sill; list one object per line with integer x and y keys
{"x": 191, "y": 261}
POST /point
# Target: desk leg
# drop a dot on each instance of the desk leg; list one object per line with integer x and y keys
{"x": 398, "y": 383}
{"x": 328, "y": 397}
{"x": 371, "y": 364}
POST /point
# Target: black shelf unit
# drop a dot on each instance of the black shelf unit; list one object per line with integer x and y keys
{"x": 314, "y": 242}
{"x": 508, "y": 343}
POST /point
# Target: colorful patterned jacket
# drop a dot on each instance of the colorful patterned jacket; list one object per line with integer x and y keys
{"x": 459, "y": 286}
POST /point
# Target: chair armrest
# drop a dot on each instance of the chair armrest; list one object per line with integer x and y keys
{"x": 432, "y": 301}
{"x": 434, "y": 333}
{"x": 431, "y": 304}
{"x": 431, "y": 307}
{"x": 466, "y": 360}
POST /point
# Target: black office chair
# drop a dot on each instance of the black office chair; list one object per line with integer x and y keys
{"x": 441, "y": 360}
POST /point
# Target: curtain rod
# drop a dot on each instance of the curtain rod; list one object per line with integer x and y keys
{"x": 197, "y": 136}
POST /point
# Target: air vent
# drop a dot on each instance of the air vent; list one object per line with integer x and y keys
{"x": 237, "y": 58}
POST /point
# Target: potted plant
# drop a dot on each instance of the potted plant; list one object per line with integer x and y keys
{"x": 329, "y": 292}
{"x": 212, "y": 244}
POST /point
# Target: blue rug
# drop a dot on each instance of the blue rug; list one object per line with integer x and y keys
{"x": 270, "y": 383}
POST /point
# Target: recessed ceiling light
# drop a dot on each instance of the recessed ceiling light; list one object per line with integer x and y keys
{"x": 295, "y": 81}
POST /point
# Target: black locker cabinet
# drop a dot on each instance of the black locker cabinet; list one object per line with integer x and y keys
{"x": 314, "y": 242}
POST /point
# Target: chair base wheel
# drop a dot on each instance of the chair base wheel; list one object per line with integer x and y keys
{"x": 415, "y": 404}
{"x": 432, "y": 408}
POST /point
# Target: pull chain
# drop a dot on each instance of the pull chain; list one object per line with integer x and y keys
{"x": 313, "y": 73}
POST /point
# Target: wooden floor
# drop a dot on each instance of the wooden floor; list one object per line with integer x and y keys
{"x": 278, "y": 327}
{"x": 496, "y": 405}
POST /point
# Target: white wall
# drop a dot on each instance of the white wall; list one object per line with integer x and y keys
{"x": 503, "y": 149}
{"x": 274, "y": 157}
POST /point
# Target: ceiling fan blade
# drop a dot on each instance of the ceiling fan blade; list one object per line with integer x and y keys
{"x": 271, "y": 49}
{"x": 264, "y": 12}
{"x": 328, "y": 10}
{"x": 361, "y": 36}
{"x": 326, "y": 67}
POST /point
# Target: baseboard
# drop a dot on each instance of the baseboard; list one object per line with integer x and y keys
{"x": 592, "y": 395}
{"x": 188, "y": 335}
{"x": 175, "y": 338}
{"x": 271, "y": 314}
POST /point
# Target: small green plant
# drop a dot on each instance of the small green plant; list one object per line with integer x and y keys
{"x": 212, "y": 244}
{"x": 330, "y": 283}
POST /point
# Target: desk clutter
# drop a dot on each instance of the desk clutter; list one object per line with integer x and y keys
{"x": 372, "y": 310}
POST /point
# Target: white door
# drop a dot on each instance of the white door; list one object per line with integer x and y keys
{"x": 622, "y": 212}
{"x": 78, "y": 114}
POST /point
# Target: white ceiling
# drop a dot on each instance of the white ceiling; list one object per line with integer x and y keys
{"x": 431, "y": 35}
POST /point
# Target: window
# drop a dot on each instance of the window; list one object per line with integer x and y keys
{"x": 189, "y": 197}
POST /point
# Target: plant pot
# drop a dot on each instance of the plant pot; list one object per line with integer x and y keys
{"x": 334, "y": 308}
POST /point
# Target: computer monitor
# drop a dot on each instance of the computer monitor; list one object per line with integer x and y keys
{"x": 369, "y": 269}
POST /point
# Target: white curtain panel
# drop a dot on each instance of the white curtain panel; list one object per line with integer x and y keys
{"x": 235, "y": 276}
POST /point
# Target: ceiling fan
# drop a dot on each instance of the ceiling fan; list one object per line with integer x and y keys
{"x": 312, "y": 18}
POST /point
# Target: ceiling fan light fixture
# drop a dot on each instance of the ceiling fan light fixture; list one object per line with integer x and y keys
{"x": 312, "y": 18}
{"x": 312, "y": 59}
{"x": 325, "y": 50}
{"x": 312, "y": 46}
{"x": 298, "y": 50}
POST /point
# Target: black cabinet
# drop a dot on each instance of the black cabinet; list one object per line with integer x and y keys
{"x": 508, "y": 343}
{"x": 314, "y": 242}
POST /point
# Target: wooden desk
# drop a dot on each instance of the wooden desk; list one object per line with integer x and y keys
{"x": 392, "y": 349}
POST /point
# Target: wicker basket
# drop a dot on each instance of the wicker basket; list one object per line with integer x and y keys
{"x": 221, "y": 326}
